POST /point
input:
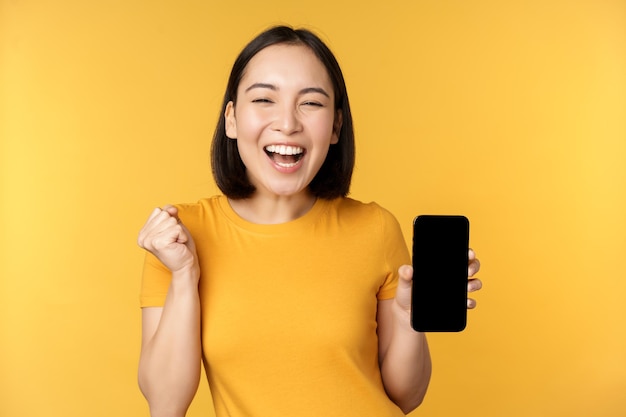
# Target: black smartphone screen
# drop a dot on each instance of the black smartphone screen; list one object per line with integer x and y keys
{"x": 439, "y": 295}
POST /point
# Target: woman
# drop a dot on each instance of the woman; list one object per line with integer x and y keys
{"x": 296, "y": 297}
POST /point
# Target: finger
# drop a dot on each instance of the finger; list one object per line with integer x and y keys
{"x": 159, "y": 216}
{"x": 171, "y": 210}
{"x": 474, "y": 285}
{"x": 473, "y": 268}
{"x": 163, "y": 216}
{"x": 471, "y": 303}
{"x": 183, "y": 233}
{"x": 471, "y": 255}
{"x": 156, "y": 217}
{"x": 154, "y": 213}
{"x": 160, "y": 224}
{"x": 165, "y": 237}
{"x": 148, "y": 225}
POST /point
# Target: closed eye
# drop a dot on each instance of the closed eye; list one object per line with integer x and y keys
{"x": 262, "y": 100}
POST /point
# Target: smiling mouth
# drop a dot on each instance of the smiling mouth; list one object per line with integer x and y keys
{"x": 284, "y": 155}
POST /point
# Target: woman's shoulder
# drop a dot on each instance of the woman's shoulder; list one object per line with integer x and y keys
{"x": 351, "y": 208}
{"x": 349, "y": 203}
{"x": 369, "y": 221}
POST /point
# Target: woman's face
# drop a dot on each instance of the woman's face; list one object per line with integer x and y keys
{"x": 284, "y": 120}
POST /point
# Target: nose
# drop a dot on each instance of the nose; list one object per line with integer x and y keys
{"x": 287, "y": 120}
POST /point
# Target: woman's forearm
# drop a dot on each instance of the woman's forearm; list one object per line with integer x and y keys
{"x": 406, "y": 366}
{"x": 169, "y": 366}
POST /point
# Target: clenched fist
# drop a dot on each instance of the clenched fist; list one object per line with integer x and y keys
{"x": 168, "y": 239}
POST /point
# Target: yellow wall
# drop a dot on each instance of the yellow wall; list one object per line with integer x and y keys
{"x": 511, "y": 112}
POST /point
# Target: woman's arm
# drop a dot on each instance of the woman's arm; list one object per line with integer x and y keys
{"x": 403, "y": 353}
{"x": 404, "y": 357}
{"x": 169, "y": 364}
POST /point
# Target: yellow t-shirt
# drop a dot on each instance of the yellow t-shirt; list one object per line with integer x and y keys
{"x": 289, "y": 310}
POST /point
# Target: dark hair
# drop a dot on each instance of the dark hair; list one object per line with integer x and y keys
{"x": 333, "y": 178}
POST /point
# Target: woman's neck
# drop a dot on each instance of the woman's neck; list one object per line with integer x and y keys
{"x": 265, "y": 209}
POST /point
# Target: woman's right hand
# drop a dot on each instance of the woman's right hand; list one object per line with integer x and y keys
{"x": 168, "y": 239}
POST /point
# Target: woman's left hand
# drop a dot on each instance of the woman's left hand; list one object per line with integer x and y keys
{"x": 403, "y": 293}
{"x": 473, "y": 284}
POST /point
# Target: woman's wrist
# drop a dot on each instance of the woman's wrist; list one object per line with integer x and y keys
{"x": 188, "y": 275}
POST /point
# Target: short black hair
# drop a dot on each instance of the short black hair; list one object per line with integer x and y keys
{"x": 334, "y": 177}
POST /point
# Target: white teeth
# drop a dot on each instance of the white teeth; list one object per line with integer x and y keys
{"x": 284, "y": 150}
{"x": 284, "y": 165}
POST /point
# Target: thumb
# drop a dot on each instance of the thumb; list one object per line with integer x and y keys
{"x": 406, "y": 275}
{"x": 405, "y": 283}
{"x": 171, "y": 210}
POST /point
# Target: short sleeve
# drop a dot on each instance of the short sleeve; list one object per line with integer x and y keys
{"x": 155, "y": 282}
{"x": 395, "y": 252}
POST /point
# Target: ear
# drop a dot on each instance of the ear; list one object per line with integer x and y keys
{"x": 337, "y": 127}
{"x": 230, "y": 123}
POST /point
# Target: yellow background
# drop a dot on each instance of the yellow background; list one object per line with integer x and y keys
{"x": 510, "y": 112}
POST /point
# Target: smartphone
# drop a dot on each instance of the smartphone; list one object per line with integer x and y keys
{"x": 440, "y": 258}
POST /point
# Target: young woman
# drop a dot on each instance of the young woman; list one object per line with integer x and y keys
{"x": 296, "y": 297}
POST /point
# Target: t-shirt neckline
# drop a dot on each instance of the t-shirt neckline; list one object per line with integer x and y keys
{"x": 302, "y": 222}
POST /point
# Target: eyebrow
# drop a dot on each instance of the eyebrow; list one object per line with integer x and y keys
{"x": 275, "y": 88}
